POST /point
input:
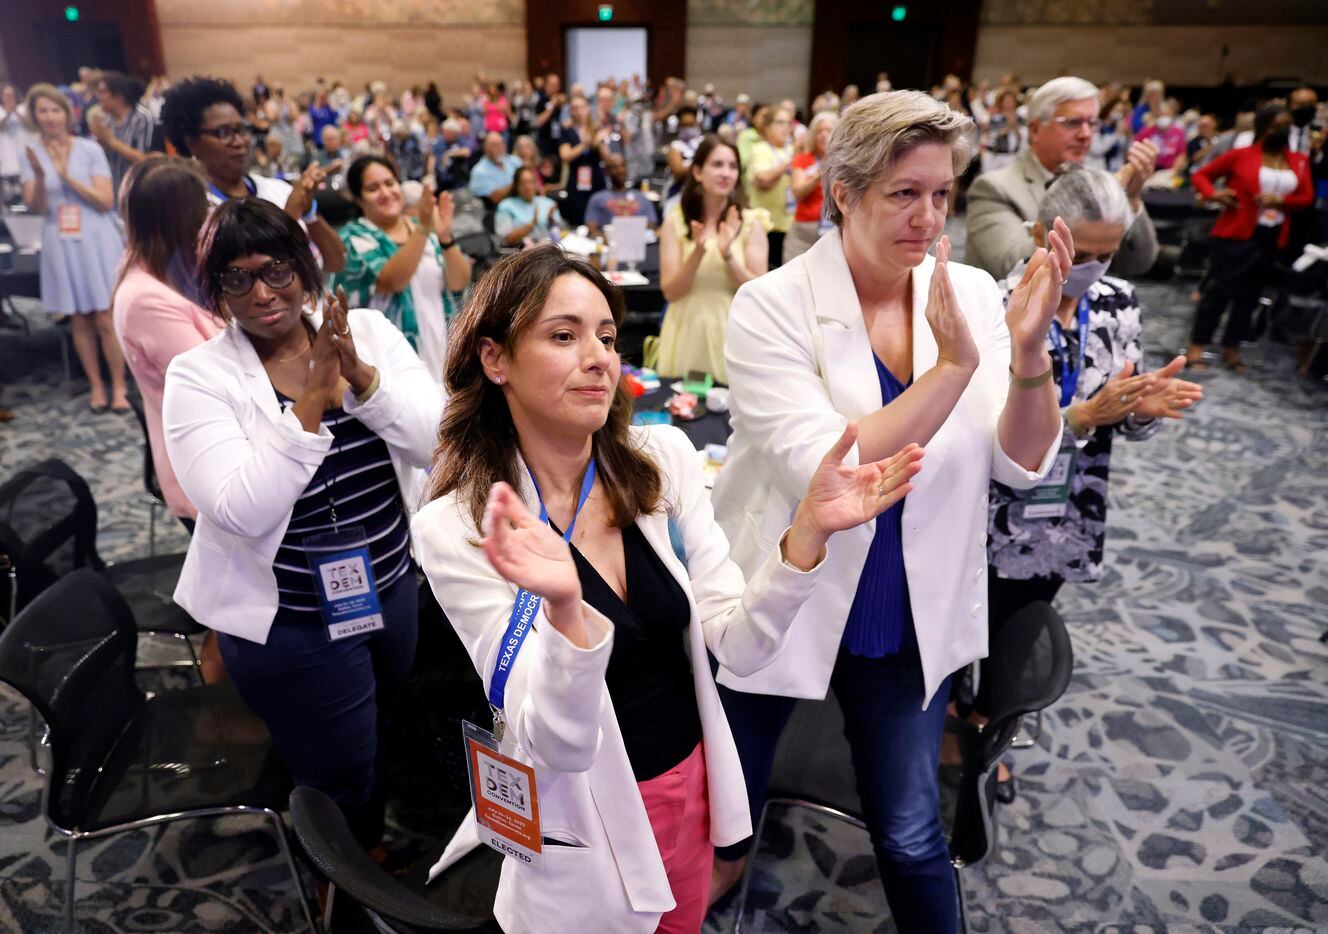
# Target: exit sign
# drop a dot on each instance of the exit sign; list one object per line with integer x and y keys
{"x": 606, "y": 12}
{"x": 899, "y": 13}
{"x": 71, "y": 14}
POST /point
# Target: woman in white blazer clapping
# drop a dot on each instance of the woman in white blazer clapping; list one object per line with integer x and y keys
{"x": 867, "y": 327}
{"x": 610, "y": 697}
{"x": 300, "y": 435}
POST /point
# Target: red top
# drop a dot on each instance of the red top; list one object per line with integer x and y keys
{"x": 809, "y": 208}
{"x": 1240, "y": 168}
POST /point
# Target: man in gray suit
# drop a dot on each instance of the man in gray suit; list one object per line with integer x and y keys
{"x": 1002, "y": 205}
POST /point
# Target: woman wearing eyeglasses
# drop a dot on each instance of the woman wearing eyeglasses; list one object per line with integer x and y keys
{"x": 296, "y": 422}
{"x": 204, "y": 118}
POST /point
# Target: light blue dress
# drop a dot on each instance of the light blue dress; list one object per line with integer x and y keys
{"x": 77, "y": 273}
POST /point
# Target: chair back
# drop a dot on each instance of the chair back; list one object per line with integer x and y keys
{"x": 1027, "y": 669}
{"x": 813, "y": 762}
{"x": 48, "y": 527}
{"x": 384, "y": 903}
{"x": 71, "y": 654}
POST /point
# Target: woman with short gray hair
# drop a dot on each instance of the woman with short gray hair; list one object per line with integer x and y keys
{"x": 868, "y": 327}
{"x": 1041, "y": 539}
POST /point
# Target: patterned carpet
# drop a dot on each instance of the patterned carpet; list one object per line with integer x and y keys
{"x": 1180, "y": 785}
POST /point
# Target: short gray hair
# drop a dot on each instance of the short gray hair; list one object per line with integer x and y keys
{"x": 1042, "y": 105}
{"x": 879, "y": 128}
{"x": 824, "y": 117}
{"x": 1079, "y": 193}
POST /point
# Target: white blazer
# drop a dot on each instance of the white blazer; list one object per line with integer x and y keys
{"x": 243, "y": 461}
{"x": 800, "y": 368}
{"x": 558, "y": 708}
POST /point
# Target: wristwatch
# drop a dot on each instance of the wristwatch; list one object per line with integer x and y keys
{"x": 449, "y": 244}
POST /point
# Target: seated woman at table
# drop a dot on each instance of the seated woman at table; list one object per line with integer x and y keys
{"x": 525, "y": 214}
{"x": 410, "y": 268}
{"x": 709, "y": 244}
{"x": 610, "y": 696}
{"x": 67, "y": 180}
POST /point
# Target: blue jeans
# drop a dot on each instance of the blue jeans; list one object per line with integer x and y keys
{"x": 324, "y": 701}
{"x": 896, "y": 750}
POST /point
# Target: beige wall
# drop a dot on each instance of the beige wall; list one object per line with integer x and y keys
{"x": 762, "y": 48}
{"x": 1131, "y": 54}
{"x": 403, "y": 42}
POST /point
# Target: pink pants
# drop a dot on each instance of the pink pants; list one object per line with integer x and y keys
{"x": 678, "y": 805}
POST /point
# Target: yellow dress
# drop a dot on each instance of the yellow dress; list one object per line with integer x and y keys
{"x": 692, "y": 336}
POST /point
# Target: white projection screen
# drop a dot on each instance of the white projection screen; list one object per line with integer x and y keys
{"x": 596, "y": 53}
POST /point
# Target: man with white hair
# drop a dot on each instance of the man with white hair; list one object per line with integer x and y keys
{"x": 1002, "y": 204}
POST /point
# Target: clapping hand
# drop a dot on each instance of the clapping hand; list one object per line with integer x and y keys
{"x": 1118, "y": 397}
{"x": 528, "y": 552}
{"x": 1034, "y": 301}
{"x": 353, "y": 370}
{"x": 301, "y": 198}
{"x": 443, "y": 213}
{"x": 954, "y": 340}
{"x": 729, "y": 228}
{"x": 840, "y": 497}
{"x": 1170, "y": 395}
{"x": 426, "y": 209}
{"x": 1225, "y": 197}
{"x": 700, "y": 234}
{"x": 1140, "y": 164}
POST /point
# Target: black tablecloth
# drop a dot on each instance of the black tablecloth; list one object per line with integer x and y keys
{"x": 711, "y": 428}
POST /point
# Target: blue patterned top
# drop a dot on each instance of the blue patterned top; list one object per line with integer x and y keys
{"x": 881, "y": 618}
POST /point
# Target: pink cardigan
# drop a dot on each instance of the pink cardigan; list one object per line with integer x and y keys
{"x": 155, "y": 323}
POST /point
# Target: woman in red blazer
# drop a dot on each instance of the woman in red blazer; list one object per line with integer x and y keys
{"x": 1263, "y": 183}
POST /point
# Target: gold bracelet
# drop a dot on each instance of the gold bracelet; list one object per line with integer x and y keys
{"x": 1031, "y": 382}
{"x": 371, "y": 388}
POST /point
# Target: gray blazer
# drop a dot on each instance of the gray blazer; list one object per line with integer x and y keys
{"x": 1001, "y": 202}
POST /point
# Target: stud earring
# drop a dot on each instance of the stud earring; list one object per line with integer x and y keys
{"x": 498, "y": 379}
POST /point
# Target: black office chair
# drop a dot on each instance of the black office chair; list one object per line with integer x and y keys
{"x": 48, "y": 527}
{"x": 364, "y": 899}
{"x": 156, "y": 500}
{"x": 119, "y": 760}
{"x": 1029, "y": 665}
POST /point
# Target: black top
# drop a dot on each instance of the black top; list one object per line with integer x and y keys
{"x": 649, "y": 676}
{"x": 357, "y": 475}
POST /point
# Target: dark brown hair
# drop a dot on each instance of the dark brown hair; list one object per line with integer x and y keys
{"x": 163, "y": 202}
{"x": 477, "y": 443}
{"x": 692, "y": 199}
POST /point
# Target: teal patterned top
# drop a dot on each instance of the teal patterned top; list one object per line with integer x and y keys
{"x": 368, "y": 249}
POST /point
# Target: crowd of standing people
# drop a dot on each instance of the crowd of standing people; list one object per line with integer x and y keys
{"x": 316, "y": 384}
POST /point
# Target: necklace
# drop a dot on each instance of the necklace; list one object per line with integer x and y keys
{"x": 307, "y": 347}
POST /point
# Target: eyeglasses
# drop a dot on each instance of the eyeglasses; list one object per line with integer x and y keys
{"x": 237, "y": 282}
{"x": 1075, "y": 124}
{"x": 224, "y": 134}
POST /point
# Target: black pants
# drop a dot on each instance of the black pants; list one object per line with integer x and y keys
{"x": 1005, "y": 598}
{"x": 1237, "y": 272}
{"x": 776, "y": 240}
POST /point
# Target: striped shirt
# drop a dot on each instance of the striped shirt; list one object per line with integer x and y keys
{"x": 357, "y": 476}
{"x": 137, "y": 130}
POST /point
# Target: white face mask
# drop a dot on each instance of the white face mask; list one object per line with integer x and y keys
{"x": 1164, "y": 122}
{"x": 1083, "y": 275}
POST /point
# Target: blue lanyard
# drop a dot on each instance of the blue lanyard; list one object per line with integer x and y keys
{"x": 1069, "y": 380}
{"x": 248, "y": 183}
{"x": 527, "y": 604}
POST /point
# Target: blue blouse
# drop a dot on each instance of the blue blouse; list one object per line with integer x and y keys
{"x": 880, "y": 622}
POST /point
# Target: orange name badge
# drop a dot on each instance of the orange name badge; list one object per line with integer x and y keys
{"x": 502, "y": 790}
{"x": 70, "y": 220}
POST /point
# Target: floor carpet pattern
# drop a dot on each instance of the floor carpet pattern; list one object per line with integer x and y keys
{"x": 1180, "y": 785}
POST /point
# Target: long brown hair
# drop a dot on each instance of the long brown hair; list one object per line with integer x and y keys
{"x": 477, "y": 443}
{"x": 163, "y": 202}
{"x": 692, "y": 199}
